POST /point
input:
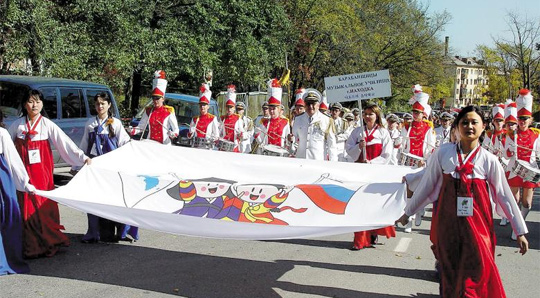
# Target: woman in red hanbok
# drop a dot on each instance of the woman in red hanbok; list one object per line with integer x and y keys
{"x": 464, "y": 178}
{"x": 32, "y": 134}
{"x": 378, "y": 150}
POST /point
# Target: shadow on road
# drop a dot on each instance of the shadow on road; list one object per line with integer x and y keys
{"x": 196, "y": 275}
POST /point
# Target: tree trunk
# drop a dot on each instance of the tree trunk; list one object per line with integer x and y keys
{"x": 135, "y": 91}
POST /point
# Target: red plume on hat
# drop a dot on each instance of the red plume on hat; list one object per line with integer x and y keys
{"x": 205, "y": 93}
{"x": 231, "y": 95}
{"x": 159, "y": 84}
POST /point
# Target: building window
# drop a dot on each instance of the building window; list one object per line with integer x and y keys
{"x": 458, "y": 70}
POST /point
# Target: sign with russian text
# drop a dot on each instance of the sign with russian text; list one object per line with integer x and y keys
{"x": 360, "y": 86}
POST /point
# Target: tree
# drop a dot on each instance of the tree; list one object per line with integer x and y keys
{"x": 503, "y": 76}
{"x": 522, "y": 49}
{"x": 345, "y": 36}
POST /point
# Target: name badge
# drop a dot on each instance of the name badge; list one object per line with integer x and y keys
{"x": 34, "y": 156}
{"x": 464, "y": 206}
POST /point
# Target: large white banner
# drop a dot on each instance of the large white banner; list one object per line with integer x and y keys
{"x": 231, "y": 195}
{"x": 360, "y": 86}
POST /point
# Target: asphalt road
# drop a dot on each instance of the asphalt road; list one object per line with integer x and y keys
{"x": 160, "y": 265}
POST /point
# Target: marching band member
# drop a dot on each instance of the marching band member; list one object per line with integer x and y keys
{"x": 395, "y": 136}
{"x": 442, "y": 133}
{"x": 418, "y": 136}
{"x": 204, "y": 126}
{"x": 351, "y": 125}
{"x": 257, "y": 124}
{"x": 247, "y": 126}
{"x": 323, "y": 106}
{"x": 313, "y": 131}
{"x": 373, "y": 139}
{"x": 232, "y": 128}
{"x": 264, "y": 115}
{"x": 13, "y": 177}
{"x": 494, "y": 141}
{"x": 523, "y": 145}
{"x": 340, "y": 127}
{"x": 465, "y": 180}
{"x": 356, "y": 113}
{"x": 273, "y": 130}
{"x": 161, "y": 119}
{"x": 299, "y": 104}
{"x": 32, "y": 136}
{"x": 101, "y": 135}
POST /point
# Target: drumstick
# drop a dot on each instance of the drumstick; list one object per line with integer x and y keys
{"x": 169, "y": 130}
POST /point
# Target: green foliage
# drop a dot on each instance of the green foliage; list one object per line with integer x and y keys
{"x": 504, "y": 78}
{"x": 243, "y": 42}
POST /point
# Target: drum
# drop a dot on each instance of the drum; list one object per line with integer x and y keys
{"x": 525, "y": 171}
{"x": 409, "y": 160}
{"x": 203, "y": 143}
{"x": 224, "y": 145}
{"x": 504, "y": 163}
{"x": 273, "y": 150}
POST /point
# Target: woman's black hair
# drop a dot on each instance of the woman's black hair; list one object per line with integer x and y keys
{"x": 464, "y": 112}
{"x": 105, "y": 96}
{"x": 32, "y": 93}
{"x": 2, "y": 119}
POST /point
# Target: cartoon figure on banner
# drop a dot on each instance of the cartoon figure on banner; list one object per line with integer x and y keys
{"x": 256, "y": 202}
{"x": 202, "y": 197}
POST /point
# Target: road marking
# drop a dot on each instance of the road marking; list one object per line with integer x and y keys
{"x": 403, "y": 244}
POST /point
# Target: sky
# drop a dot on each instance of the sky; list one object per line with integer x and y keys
{"x": 476, "y": 22}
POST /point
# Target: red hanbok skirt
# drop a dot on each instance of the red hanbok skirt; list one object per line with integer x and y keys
{"x": 41, "y": 218}
{"x": 465, "y": 246}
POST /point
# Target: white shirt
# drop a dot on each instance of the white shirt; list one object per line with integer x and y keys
{"x": 47, "y": 130}
{"x": 442, "y": 135}
{"x": 494, "y": 144}
{"x": 313, "y": 135}
{"x": 14, "y": 163}
{"x": 395, "y": 136}
{"x": 380, "y": 136}
{"x": 249, "y": 128}
{"x": 486, "y": 166}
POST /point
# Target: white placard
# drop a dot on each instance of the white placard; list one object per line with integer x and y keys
{"x": 360, "y": 86}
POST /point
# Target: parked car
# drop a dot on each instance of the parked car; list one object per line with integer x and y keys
{"x": 68, "y": 103}
{"x": 185, "y": 107}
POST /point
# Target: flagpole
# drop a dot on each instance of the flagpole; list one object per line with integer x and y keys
{"x": 362, "y": 129}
